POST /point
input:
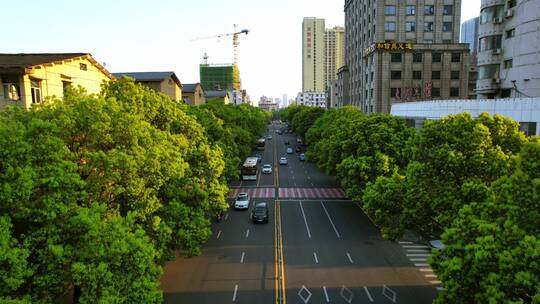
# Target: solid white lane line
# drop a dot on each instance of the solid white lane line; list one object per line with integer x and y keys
{"x": 430, "y": 276}
{"x": 435, "y": 282}
{"x": 368, "y": 294}
{"x": 418, "y": 254}
{"x": 326, "y": 294}
{"x": 418, "y": 250}
{"x": 350, "y": 259}
{"x": 247, "y": 233}
{"x": 406, "y": 242}
{"x": 331, "y": 222}
{"x": 242, "y": 258}
{"x": 316, "y": 259}
{"x": 218, "y": 234}
{"x": 305, "y": 221}
{"x": 419, "y": 260}
{"x": 415, "y": 246}
{"x": 426, "y": 269}
{"x": 226, "y": 216}
{"x": 421, "y": 264}
{"x": 234, "y": 294}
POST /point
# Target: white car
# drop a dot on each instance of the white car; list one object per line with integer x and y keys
{"x": 289, "y": 150}
{"x": 267, "y": 169}
{"x": 283, "y": 161}
{"x": 242, "y": 201}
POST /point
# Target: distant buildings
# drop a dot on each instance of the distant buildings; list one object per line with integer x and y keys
{"x": 312, "y": 99}
{"x": 268, "y": 104}
{"x": 334, "y": 52}
{"x": 28, "y": 79}
{"x": 313, "y": 54}
{"x": 508, "y": 56}
{"x": 469, "y": 34}
{"x": 400, "y": 51}
{"x": 163, "y": 82}
{"x": 193, "y": 94}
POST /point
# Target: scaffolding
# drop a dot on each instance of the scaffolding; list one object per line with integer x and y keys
{"x": 220, "y": 77}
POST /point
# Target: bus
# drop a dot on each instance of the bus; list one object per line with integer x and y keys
{"x": 260, "y": 143}
{"x": 249, "y": 169}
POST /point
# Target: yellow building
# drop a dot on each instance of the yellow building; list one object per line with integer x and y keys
{"x": 193, "y": 94}
{"x": 28, "y": 78}
{"x": 163, "y": 82}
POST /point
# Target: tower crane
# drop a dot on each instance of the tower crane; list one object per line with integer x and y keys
{"x": 235, "y": 35}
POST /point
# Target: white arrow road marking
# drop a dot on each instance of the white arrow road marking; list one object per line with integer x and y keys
{"x": 368, "y": 294}
{"x": 218, "y": 234}
{"x": 389, "y": 293}
{"x": 247, "y": 233}
{"x": 316, "y": 259}
{"x": 350, "y": 259}
{"x": 234, "y": 294}
{"x": 307, "y": 296}
{"x": 326, "y": 294}
{"x": 242, "y": 258}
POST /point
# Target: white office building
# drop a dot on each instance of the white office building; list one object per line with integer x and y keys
{"x": 311, "y": 99}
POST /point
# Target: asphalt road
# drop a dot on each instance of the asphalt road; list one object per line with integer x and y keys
{"x": 331, "y": 251}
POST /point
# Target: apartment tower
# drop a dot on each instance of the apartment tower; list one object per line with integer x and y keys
{"x": 508, "y": 57}
{"x": 399, "y": 51}
{"x": 313, "y": 55}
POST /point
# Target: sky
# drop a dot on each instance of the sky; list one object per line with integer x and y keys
{"x": 159, "y": 35}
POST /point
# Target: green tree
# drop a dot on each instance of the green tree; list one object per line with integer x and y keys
{"x": 492, "y": 252}
{"x": 304, "y": 119}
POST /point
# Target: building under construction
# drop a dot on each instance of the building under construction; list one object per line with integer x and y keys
{"x": 220, "y": 77}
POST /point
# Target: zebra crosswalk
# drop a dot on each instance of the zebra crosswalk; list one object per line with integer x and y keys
{"x": 418, "y": 254}
{"x": 290, "y": 193}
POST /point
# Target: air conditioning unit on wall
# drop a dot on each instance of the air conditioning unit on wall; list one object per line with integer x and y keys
{"x": 509, "y": 13}
{"x": 497, "y": 51}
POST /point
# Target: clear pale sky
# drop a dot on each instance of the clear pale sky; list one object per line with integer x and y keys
{"x": 143, "y": 35}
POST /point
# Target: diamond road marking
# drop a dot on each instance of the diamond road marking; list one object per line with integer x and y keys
{"x": 346, "y": 294}
{"x": 307, "y": 297}
{"x": 389, "y": 293}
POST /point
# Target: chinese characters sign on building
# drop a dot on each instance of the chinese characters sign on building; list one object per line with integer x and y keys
{"x": 388, "y": 46}
{"x": 409, "y": 93}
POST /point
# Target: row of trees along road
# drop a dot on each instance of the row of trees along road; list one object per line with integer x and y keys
{"x": 97, "y": 192}
{"x": 472, "y": 182}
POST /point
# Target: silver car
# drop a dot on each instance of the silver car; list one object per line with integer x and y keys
{"x": 242, "y": 201}
{"x": 283, "y": 161}
{"x": 267, "y": 169}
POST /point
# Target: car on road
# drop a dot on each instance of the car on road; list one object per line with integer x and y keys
{"x": 267, "y": 169}
{"x": 269, "y": 137}
{"x": 298, "y": 140}
{"x": 289, "y": 150}
{"x": 283, "y": 161}
{"x": 242, "y": 201}
{"x": 302, "y": 157}
{"x": 260, "y": 213}
{"x": 287, "y": 142}
{"x": 259, "y": 157}
{"x": 298, "y": 149}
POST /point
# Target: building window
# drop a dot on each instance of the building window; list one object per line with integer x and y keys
{"x": 83, "y": 67}
{"x": 436, "y": 57}
{"x": 488, "y": 71}
{"x": 448, "y": 9}
{"x": 510, "y": 33}
{"x": 436, "y": 92}
{"x": 395, "y": 75}
{"x": 410, "y": 26}
{"x": 454, "y": 92}
{"x": 390, "y": 10}
{"x": 417, "y": 57}
{"x": 396, "y": 57}
{"x": 428, "y": 26}
{"x": 454, "y": 75}
{"x": 35, "y": 90}
{"x": 393, "y": 92}
{"x": 529, "y": 128}
{"x": 508, "y": 63}
{"x": 511, "y": 3}
{"x": 456, "y": 57}
{"x": 11, "y": 90}
{"x": 489, "y": 14}
{"x": 435, "y": 75}
{"x": 490, "y": 42}
{"x": 429, "y": 10}
{"x": 417, "y": 75}
{"x": 447, "y": 26}
{"x": 389, "y": 26}
{"x": 411, "y": 10}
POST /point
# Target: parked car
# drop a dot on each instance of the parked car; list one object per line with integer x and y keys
{"x": 269, "y": 137}
{"x": 267, "y": 169}
{"x": 302, "y": 157}
{"x": 283, "y": 161}
{"x": 289, "y": 150}
{"x": 260, "y": 213}
{"x": 242, "y": 201}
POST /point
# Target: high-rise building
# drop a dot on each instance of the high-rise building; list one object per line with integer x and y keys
{"x": 220, "y": 77}
{"x": 398, "y": 51}
{"x": 508, "y": 58}
{"x": 313, "y": 54}
{"x": 284, "y": 101}
{"x": 335, "y": 52}
{"x": 469, "y": 34}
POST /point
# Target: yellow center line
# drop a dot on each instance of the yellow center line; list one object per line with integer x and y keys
{"x": 282, "y": 260}
{"x": 276, "y": 252}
